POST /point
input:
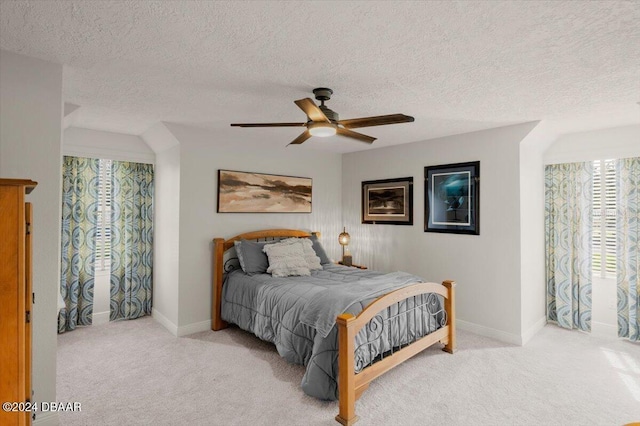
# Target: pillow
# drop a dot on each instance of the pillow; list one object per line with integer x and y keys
{"x": 313, "y": 261}
{"x": 286, "y": 259}
{"x": 317, "y": 247}
{"x": 251, "y": 257}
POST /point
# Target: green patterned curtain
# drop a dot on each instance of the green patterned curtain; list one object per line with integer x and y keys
{"x": 80, "y": 182}
{"x": 628, "y": 247}
{"x": 131, "y": 239}
{"x": 568, "y": 203}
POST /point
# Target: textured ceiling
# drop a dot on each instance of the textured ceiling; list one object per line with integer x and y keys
{"x": 455, "y": 66}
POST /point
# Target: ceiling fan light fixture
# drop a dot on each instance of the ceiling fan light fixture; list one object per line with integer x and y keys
{"x": 322, "y": 130}
{"x": 324, "y": 122}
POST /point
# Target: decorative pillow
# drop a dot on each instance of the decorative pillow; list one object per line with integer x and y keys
{"x": 313, "y": 261}
{"x": 317, "y": 247}
{"x": 286, "y": 259}
{"x": 251, "y": 257}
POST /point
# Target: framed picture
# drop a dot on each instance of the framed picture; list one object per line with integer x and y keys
{"x": 244, "y": 192}
{"x": 452, "y": 198}
{"x": 388, "y": 201}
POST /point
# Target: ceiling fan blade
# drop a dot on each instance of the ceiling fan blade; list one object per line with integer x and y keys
{"x": 355, "y": 135}
{"x": 311, "y": 109}
{"x": 300, "y": 139}
{"x": 269, "y": 125}
{"x": 379, "y": 120}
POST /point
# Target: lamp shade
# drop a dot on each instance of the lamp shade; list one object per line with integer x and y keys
{"x": 322, "y": 129}
{"x": 344, "y": 237}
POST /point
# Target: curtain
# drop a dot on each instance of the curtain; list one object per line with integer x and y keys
{"x": 131, "y": 239}
{"x": 568, "y": 204}
{"x": 628, "y": 247}
{"x": 80, "y": 183}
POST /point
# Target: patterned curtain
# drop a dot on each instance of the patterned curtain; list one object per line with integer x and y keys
{"x": 80, "y": 182}
{"x": 568, "y": 204}
{"x": 628, "y": 247}
{"x": 131, "y": 239}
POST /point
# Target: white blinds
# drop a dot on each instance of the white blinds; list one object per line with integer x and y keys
{"x": 103, "y": 233}
{"x": 604, "y": 218}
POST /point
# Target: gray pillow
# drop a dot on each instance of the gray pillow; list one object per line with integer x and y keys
{"x": 324, "y": 259}
{"x": 251, "y": 257}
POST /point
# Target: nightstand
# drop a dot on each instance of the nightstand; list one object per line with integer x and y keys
{"x": 353, "y": 265}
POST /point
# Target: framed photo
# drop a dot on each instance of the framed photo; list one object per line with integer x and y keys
{"x": 452, "y": 198}
{"x": 388, "y": 201}
{"x": 244, "y": 192}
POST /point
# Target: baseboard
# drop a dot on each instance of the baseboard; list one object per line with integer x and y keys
{"x": 503, "y": 336}
{"x": 166, "y": 323}
{"x": 49, "y": 418}
{"x": 194, "y": 328}
{"x": 185, "y": 330}
{"x": 539, "y": 325}
{"x": 101, "y": 318}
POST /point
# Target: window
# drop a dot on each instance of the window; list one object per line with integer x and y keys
{"x": 604, "y": 219}
{"x": 103, "y": 233}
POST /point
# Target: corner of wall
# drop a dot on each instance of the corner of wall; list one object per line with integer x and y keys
{"x": 532, "y": 262}
{"x": 159, "y": 138}
{"x": 70, "y": 114}
{"x": 541, "y": 136}
{"x": 167, "y": 173}
{"x": 164, "y": 321}
{"x": 528, "y": 334}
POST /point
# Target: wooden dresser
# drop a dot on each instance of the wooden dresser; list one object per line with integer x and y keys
{"x": 15, "y": 298}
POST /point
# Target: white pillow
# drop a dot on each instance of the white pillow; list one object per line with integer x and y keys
{"x": 286, "y": 260}
{"x": 313, "y": 261}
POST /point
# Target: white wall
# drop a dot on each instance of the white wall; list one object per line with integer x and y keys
{"x": 532, "y": 249}
{"x": 166, "y": 226}
{"x": 615, "y": 142}
{"x": 167, "y": 238}
{"x": 30, "y": 148}
{"x": 98, "y": 144}
{"x": 486, "y": 267}
{"x": 202, "y": 153}
{"x": 604, "y": 307}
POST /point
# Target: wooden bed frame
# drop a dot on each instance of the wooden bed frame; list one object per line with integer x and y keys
{"x": 351, "y": 383}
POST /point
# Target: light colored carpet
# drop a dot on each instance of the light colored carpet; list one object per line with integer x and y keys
{"x": 136, "y": 373}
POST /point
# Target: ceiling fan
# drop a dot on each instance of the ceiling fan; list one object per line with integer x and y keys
{"x": 324, "y": 122}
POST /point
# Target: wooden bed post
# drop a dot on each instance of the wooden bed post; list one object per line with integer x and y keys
{"x": 346, "y": 371}
{"x": 450, "y": 308}
{"x": 216, "y": 312}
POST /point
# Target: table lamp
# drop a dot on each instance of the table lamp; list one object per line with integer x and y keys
{"x": 344, "y": 239}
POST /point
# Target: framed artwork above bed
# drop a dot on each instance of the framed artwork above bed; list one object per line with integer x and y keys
{"x": 388, "y": 201}
{"x": 245, "y": 192}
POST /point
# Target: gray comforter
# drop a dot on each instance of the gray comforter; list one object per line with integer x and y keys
{"x": 289, "y": 313}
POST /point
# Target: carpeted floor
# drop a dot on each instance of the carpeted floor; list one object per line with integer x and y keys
{"x": 136, "y": 373}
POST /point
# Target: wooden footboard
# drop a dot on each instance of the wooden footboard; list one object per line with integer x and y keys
{"x": 352, "y": 381}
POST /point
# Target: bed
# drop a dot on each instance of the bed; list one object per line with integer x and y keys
{"x": 346, "y": 325}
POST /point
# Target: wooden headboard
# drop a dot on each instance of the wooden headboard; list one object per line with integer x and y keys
{"x": 220, "y": 245}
